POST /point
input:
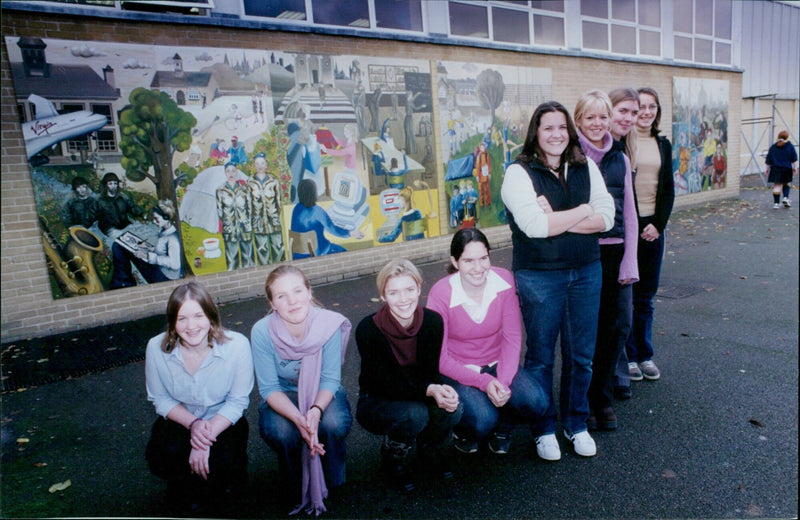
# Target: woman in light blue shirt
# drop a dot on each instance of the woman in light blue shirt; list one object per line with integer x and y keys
{"x": 298, "y": 351}
{"x": 199, "y": 377}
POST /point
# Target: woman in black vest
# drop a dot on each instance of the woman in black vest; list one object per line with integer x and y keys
{"x": 557, "y": 204}
{"x": 617, "y": 252}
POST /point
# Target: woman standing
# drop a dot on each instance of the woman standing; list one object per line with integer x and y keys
{"x": 482, "y": 345}
{"x": 655, "y": 193}
{"x": 402, "y": 395}
{"x": 298, "y": 351}
{"x": 199, "y": 377}
{"x": 557, "y": 203}
{"x": 781, "y": 166}
{"x": 593, "y": 114}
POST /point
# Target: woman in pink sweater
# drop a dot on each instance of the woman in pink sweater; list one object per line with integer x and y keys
{"x": 481, "y": 347}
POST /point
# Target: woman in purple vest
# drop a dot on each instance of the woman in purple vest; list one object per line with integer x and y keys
{"x": 557, "y": 204}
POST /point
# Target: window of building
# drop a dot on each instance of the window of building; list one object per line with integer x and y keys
{"x": 106, "y": 141}
{"x": 68, "y": 108}
{"x": 105, "y": 110}
{"x": 511, "y": 25}
{"x": 353, "y": 13}
{"x": 622, "y": 26}
{"x": 21, "y": 112}
{"x": 393, "y": 14}
{"x": 283, "y": 9}
{"x": 469, "y": 20}
{"x": 523, "y": 23}
{"x": 702, "y": 31}
{"x": 193, "y": 94}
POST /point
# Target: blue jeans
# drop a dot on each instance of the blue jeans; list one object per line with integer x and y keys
{"x": 565, "y": 302}
{"x": 613, "y": 328}
{"x": 405, "y": 421}
{"x": 640, "y": 342}
{"x": 528, "y": 403}
{"x": 284, "y": 438}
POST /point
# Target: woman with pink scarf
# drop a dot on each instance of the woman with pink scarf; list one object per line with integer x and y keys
{"x": 298, "y": 351}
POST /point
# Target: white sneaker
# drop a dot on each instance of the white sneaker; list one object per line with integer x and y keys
{"x": 787, "y": 203}
{"x": 583, "y": 443}
{"x": 776, "y": 206}
{"x": 547, "y": 447}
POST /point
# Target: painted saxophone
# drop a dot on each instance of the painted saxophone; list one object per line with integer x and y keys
{"x": 73, "y": 266}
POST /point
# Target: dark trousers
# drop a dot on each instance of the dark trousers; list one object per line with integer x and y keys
{"x": 168, "y": 452}
{"x": 613, "y": 327}
{"x": 405, "y": 421}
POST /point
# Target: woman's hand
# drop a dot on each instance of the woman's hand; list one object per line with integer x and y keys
{"x": 201, "y": 435}
{"x": 544, "y": 204}
{"x": 650, "y": 233}
{"x": 198, "y": 461}
{"x": 308, "y": 426}
{"x": 445, "y": 396}
{"x": 497, "y": 393}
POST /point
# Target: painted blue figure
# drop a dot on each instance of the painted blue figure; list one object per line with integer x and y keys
{"x": 386, "y": 133}
{"x": 295, "y": 157}
{"x": 411, "y": 223}
{"x": 236, "y": 151}
{"x": 308, "y": 216}
{"x": 378, "y": 160}
{"x": 456, "y": 208}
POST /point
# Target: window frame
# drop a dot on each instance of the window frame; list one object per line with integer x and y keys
{"x": 713, "y": 39}
{"x": 609, "y": 21}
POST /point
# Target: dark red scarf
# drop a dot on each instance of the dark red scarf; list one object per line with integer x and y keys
{"x": 402, "y": 340}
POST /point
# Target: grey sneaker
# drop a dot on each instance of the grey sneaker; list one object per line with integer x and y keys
{"x": 633, "y": 370}
{"x": 787, "y": 203}
{"x": 649, "y": 370}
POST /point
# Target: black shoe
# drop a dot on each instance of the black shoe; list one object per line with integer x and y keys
{"x": 622, "y": 392}
{"x": 499, "y": 443}
{"x": 591, "y": 422}
{"x": 394, "y": 459}
{"x": 437, "y": 460}
{"x": 607, "y": 419}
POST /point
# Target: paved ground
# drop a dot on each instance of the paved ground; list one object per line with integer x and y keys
{"x": 716, "y": 437}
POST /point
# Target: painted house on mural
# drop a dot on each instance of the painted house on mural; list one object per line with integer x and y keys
{"x": 186, "y": 88}
{"x": 71, "y": 88}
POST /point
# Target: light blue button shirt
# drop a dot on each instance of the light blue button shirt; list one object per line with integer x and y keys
{"x": 221, "y": 385}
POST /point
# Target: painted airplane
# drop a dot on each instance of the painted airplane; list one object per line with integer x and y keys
{"x": 51, "y": 127}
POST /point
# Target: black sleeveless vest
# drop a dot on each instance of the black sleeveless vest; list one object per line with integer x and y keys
{"x": 612, "y": 166}
{"x": 564, "y": 251}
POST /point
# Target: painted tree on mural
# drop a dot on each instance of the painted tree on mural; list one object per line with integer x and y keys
{"x": 153, "y": 128}
{"x": 490, "y": 91}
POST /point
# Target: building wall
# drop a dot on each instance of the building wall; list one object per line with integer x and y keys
{"x": 27, "y": 305}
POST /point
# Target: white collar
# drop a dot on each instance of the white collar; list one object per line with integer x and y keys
{"x": 494, "y": 285}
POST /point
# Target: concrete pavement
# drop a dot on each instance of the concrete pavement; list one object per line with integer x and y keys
{"x": 716, "y": 437}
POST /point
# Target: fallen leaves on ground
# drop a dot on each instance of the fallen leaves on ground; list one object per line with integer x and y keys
{"x": 754, "y": 510}
{"x": 756, "y": 422}
{"x": 668, "y": 473}
{"x": 60, "y": 486}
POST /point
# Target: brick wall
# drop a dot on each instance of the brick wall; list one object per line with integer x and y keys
{"x": 28, "y": 308}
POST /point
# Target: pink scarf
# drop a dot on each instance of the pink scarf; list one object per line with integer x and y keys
{"x": 321, "y": 324}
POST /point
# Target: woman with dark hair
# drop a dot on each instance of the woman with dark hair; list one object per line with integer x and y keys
{"x": 308, "y": 216}
{"x": 593, "y": 115}
{"x": 482, "y": 346}
{"x": 298, "y": 352}
{"x": 557, "y": 204}
{"x": 199, "y": 377}
{"x": 156, "y": 264}
{"x": 781, "y": 166}
{"x": 654, "y": 191}
{"x": 402, "y": 396}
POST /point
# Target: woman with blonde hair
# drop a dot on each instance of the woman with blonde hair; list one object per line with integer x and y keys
{"x": 402, "y": 396}
{"x": 781, "y": 166}
{"x": 298, "y": 351}
{"x": 593, "y": 114}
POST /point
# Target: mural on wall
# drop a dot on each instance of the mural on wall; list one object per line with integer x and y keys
{"x": 484, "y": 115}
{"x": 700, "y": 134}
{"x": 150, "y": 163}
